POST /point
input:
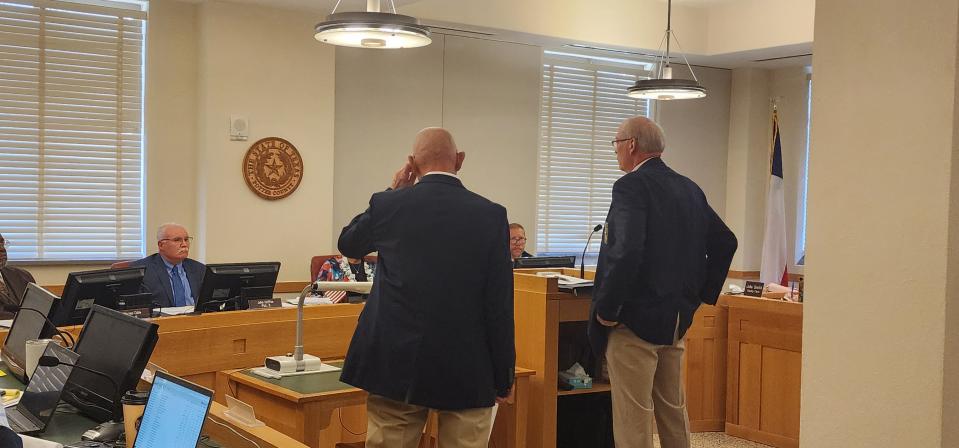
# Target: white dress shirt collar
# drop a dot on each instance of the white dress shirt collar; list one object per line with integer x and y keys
{"x": 441, "y": 172}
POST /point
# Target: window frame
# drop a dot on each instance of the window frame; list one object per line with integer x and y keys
{"x": 600, "y": 144}
{"x": 127, "y": 245}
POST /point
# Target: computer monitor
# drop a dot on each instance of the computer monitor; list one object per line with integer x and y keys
{"x": 105, "y": 287}
{"x": 174, "y": 413}
{"x": 27, "y": 325}
{"x": 231, "y": 286}
{"x": 545, "y": 262}
{"x": 117, "y": 345}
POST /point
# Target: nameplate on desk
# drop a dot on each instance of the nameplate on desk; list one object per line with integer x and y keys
{"x": 754, "y": 289}
{"x": 264, "y": 303}
{"x": 140, "y": 313}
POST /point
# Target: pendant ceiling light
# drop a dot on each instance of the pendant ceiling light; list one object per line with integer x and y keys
{"x": 664, "y": 87}
{"x": 372, "y": 29}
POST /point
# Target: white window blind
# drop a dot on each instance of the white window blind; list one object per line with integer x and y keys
{"x": 71, "y": 152}
{"x": 583, "y": 105}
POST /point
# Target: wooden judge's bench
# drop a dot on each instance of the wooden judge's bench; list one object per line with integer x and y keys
{"x": 742, "y": 370}
{"x": 742, "y": 366}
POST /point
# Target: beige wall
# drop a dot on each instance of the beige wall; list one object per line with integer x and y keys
{"x": 706, "y": 28}
{"x": 574, "y": 19}
{"x": 788, "y": 86}
{"x": 747, "y": 164}
{"x": 489, "y": 98}
{"x": 378, "y": 110}
{"x": 697, "y": 134}
{"x": 205, "y": 62}
{"x": 486, "y": 93}
{"x": 881, "y": 229}
{"x": 741, "y": 25}
{"x": 261, "y": 63}
{"x": 750, "y": 135}
{"x": 203, "y": 65}
{"x": 491, "y": 104}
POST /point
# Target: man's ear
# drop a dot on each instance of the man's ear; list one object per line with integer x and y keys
{"x": 460, "y": 157}
{"x": 415, "y": 170}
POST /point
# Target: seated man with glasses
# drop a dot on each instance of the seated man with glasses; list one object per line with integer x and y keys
{"x": 13, "y": 281}
{"x": 172, "y": 278}
{"x": 517, "y": 242}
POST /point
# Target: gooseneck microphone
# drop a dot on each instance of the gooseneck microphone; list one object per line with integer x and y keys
{"x": 582, "y": 260}
{"x": 66, "y": 336}
{"x": 53, "y": 361}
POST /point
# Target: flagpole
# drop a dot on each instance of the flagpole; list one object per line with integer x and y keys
{"x": 774, "y": 257}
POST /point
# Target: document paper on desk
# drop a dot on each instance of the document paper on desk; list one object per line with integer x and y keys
{"x": 566, "y": 280}
{"x": 33, "y": 442}
{"x": 176, "y": 310}
{"x": 3, "y": 417}
{"x": 310, "y": 301}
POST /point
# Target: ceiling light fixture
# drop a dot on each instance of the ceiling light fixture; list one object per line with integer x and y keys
{"x": 372, "y": 29}
{"x": 664, "y": 87}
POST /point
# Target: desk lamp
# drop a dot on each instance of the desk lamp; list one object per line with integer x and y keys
{"x": 299, "y": 363}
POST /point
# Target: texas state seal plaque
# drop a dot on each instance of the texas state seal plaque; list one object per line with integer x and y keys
{"x": 273, "y": 168}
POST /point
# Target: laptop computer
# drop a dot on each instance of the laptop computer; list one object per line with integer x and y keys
{"x": 174, "y": 413}
{"x": 38, "y": 402}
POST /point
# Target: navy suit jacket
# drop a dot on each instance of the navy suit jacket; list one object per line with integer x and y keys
{"x": 437, "y": 329}
{"x": 664, "y": 251}
{"x": 156, "y": 279}
{"x": 9, "y": 439}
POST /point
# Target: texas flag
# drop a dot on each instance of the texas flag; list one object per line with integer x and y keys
{"x": 773, "y": 269}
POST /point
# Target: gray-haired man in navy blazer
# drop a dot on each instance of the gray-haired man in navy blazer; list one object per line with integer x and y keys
{"x": 437, "y": 330}
{"x": 664, "y": 252}
{"x": 172, "y": 277}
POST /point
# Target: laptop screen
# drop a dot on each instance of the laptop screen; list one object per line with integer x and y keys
{"x": 174, "y": 413}
{"x": 42, "y": 395}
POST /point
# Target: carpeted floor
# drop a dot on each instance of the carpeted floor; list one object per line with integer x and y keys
{"x": 717, "y": 440}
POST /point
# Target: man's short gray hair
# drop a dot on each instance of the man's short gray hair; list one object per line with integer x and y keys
{"x": 648, "y": 134}
{"x": 161, "y": 231}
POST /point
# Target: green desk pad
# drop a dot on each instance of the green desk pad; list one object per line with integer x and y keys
{"x": 65, "y": 427}
{"x": 312, "y": 383}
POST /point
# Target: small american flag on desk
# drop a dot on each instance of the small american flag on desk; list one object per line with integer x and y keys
{"x": 335, "y": 296}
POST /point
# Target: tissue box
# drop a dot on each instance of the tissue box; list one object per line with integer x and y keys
{"x": 576, "y": 381}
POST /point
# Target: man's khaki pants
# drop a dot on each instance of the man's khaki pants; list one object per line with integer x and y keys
{"x": 646, "y": 380}
{"x": 392, "y": 424}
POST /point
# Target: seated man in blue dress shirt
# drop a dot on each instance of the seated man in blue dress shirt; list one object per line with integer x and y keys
{"x": 172, "y": 277}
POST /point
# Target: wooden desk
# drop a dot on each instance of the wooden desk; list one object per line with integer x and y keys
{"x": 764, "y": 370}
{"x": 540, "y": 309}
{"x": 195, "y": 347}
{"x": 302, "y": 407}
{"x": 66, "y": 428}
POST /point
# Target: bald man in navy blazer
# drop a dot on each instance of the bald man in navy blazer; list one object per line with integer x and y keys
{"x": 437, "y": 330}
